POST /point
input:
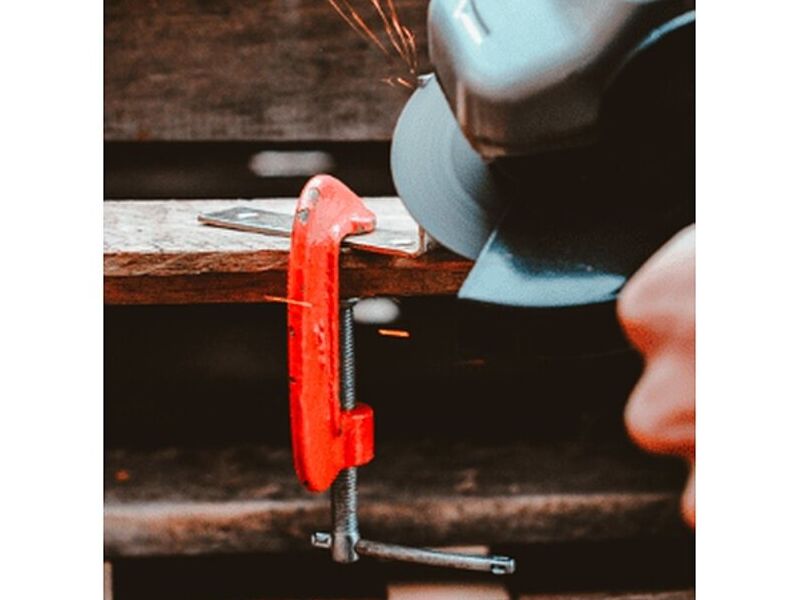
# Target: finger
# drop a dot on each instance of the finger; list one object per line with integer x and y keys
{"x": 660, "y": 412}
{"x": 688, "y": 499}
{"x": 657, "y": 305}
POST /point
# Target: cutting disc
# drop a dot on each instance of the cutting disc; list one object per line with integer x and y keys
{"x": 443, "y": 182}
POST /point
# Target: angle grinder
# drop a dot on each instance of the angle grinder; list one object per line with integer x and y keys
{"x": 553, "y": 144}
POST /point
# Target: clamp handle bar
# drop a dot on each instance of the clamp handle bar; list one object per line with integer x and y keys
{"x": 498, "y": 565}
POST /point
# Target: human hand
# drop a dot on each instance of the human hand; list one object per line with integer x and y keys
{"x": 657, "y": 312}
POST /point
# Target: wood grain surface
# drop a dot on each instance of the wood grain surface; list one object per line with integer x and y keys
{"x": 155, "y": 252}
{"x": 247, "y": 499}
{"x": 248, "y": 70}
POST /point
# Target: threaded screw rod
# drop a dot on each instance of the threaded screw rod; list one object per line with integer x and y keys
{"x": 344, "y": 492}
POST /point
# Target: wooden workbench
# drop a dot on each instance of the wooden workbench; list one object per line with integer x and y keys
{"x": 247, "y": 499}
{"x": 156, "y": 252}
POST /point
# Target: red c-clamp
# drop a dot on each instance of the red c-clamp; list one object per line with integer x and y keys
{"x": 325, "y": 438}
{"x": 328, "y": 440}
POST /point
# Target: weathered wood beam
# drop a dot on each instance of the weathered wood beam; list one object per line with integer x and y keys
{"x": 155, "y": 252}
{"x": 249, "y": 70}
{"x": 248, "y": 499}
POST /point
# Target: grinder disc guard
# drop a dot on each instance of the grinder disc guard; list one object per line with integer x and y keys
{"x": 443, "y": 182}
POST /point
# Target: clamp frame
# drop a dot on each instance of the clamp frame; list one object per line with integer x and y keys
{"x": 332, "y": 435}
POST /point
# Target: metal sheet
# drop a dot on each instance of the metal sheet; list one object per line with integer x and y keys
{"x": 380, "y": 241}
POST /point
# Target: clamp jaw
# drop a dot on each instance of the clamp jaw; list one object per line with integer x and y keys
{"x": 332, "y": 435}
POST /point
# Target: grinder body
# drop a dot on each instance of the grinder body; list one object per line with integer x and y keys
{"x": 554, "y": 144}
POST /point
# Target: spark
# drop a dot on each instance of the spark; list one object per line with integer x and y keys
{"x": 284, "y": 300}
{"x": 400, "y": 38}
{"x": 397, "y": 333}
{"x": 387, "y": 27}
{"x": 401, "y": 81}
{"x": 356, "y": 23}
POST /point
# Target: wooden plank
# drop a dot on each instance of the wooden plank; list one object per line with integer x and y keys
{"x": 155, "y": 252}
{"x": 247, "y": 499}
{"x": 248, "y": 70}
